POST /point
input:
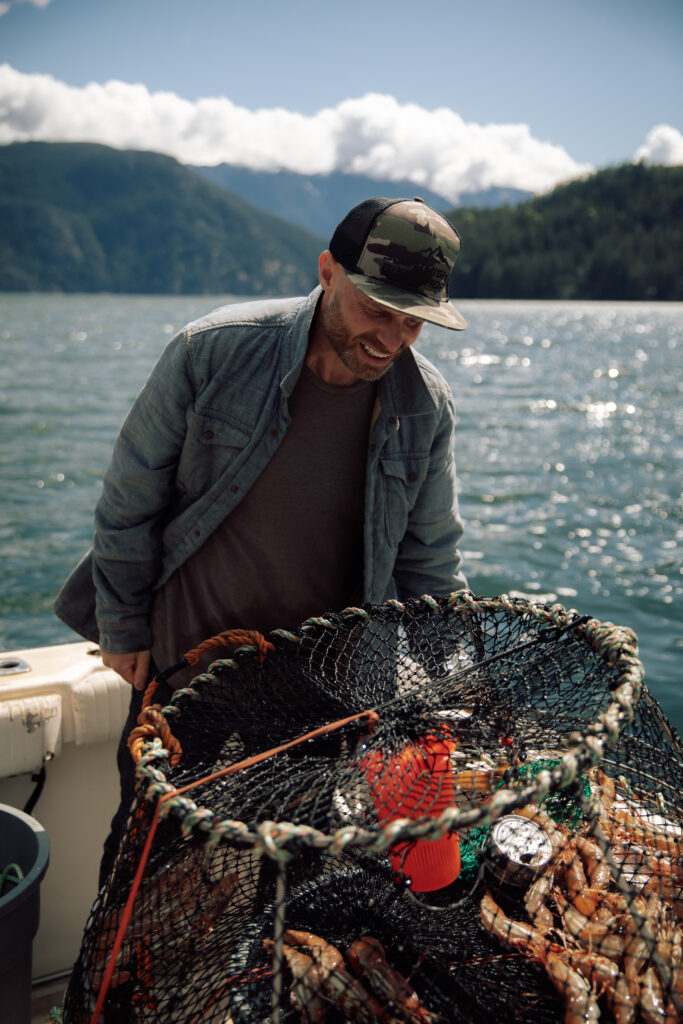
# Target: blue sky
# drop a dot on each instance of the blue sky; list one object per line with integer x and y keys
{"x": 542, "y": 89}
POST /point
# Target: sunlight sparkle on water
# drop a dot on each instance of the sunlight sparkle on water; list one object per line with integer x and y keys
{"x": 568, "y": 450}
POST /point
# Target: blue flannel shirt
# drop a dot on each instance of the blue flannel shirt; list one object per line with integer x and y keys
{"x": 202, "y": 430}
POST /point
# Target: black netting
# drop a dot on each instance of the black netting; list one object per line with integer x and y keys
{"x": 440, "y": 955}
{"x": 449, "y": 810}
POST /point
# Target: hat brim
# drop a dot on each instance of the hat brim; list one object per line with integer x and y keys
{"x": 442, "y": 313}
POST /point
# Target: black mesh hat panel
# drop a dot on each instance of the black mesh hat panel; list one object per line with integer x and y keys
{"x": 351, "y": 234}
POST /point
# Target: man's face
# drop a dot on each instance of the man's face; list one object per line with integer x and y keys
{"x": 367, "y": 337}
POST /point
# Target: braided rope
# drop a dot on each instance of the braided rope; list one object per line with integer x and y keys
{"x": 235, "y": 638}
{"x": 272, "y": 837}
{"x": 285, "y": 634}
{"x": 152, "y": 724}
{"x": 352, "y": 612}
{"x": 616, "y": 645}
{"x": 315, "y": 621}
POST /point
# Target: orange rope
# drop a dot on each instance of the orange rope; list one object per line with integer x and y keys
{"x": 125, "y": 917}
{"x": 231, "y": 638}
{"x": 372, "y": 719}
{"x": 149, "y": 692}
{"x": 151, "y": 723}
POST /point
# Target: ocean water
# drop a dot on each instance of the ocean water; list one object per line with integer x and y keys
{"x": 569, "y": 448}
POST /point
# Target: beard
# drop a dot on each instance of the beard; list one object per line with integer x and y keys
{"x": 350, "y": 347}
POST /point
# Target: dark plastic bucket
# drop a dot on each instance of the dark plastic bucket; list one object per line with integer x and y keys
{"x": 23, "y": 841}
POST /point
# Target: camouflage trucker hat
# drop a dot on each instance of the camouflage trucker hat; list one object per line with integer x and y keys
{"x": 400, "y": 253}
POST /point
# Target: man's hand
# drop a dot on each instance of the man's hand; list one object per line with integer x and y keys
{"x": 134, "y": 668}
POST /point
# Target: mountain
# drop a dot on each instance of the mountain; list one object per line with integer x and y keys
{"x": 494, "y": 196}
{"x": 84, "y": 217}
{"x": 317, "y": 202}
{"x": 617, "y": 234}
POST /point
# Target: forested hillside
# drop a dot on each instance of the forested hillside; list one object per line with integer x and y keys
{"x": 82, "y": 217}
{"x": 615, "y": 235}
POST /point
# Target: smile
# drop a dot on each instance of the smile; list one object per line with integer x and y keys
{"x": 372, "y": 352}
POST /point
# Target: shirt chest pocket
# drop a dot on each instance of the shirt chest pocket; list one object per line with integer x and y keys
{"x": 211, "y": 445}
{"x": 401, "y": 480}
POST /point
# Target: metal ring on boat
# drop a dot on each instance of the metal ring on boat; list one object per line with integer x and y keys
{"x": 10, "y": 666}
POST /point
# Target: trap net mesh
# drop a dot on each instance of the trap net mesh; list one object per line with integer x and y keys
{"x": 453, "y": 809}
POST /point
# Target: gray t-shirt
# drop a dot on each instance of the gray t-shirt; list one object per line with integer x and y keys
{"x": 293, "y": 548}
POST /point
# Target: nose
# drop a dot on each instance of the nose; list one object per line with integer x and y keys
{"x": 391, "y": 333}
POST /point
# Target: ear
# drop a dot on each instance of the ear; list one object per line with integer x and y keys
{"x": 328, "y": 270}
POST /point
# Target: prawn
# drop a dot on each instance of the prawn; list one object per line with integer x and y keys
{"x": 581, "y": 1006}
{"x": 598, "y": 904}
{"x": 534, "y": 901}
{"x": 653, "y": 1006}
{"x": 368, "y": 958}
{"x": 593, "y": 935}
{"x": 622, "y": 820}
{"x": 473, "y": 781}
{"x": 602, "y": 971}
{"x": 597, "y": 868}
{"x": 322, "y": 951}
{"x": 539, "y": 890}
{"x": 305, "y": 994}
{"x": 513, "y": 933}
{"x": 580, "y": 1002}
{"x": 621, "y": 1003}
{"x": 337, "y": 984}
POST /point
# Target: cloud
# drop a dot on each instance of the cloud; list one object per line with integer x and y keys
{"x": 663, "y": 145}
{"x": 6, "y": 5}
{"x": 373, "y": 134}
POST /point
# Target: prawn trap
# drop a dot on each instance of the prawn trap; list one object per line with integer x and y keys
{"x": 453, "y": 809}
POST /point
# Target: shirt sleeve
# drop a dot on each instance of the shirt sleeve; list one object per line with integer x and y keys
{"x": 138, "y": 488}
{"x": 429, "y": 559}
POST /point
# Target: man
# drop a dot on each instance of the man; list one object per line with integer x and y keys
{"x": 285, "y": 458}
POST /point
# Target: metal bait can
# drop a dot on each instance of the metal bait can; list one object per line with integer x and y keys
{"x": 517, "y": 850}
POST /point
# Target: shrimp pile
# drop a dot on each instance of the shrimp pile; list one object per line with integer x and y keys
{"x": 602, "y": 949}
{"x": 370, "y": 991}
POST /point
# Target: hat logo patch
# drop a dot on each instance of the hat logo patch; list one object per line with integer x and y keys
{"x": 424, "y": 270}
